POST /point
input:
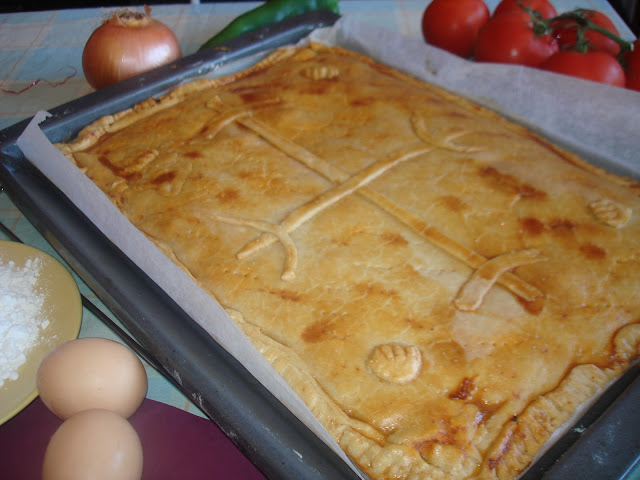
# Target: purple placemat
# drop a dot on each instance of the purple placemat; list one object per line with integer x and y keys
{"x": 176, "y": 444}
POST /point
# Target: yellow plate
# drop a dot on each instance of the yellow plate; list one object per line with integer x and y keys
{"x": 63, "y": 308}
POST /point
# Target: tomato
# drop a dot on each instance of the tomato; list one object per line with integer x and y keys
{"x": 632, "y": 60}
{"x": 566, "y": 32}
{"x": 544, "y": 7}
{"x": 510, "y": 38}
{"x": 594, "y": 65}
{"x": 453, "y": 24}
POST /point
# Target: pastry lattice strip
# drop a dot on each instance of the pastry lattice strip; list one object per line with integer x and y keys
{"x": 303, "y": 213}
{"x": 512, "y": 282}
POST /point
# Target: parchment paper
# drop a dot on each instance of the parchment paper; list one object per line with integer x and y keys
{"x": 599, "y": 120}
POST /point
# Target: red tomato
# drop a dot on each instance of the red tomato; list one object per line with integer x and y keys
{"x": 566, "y": 32}
{"x": 509, "y": 38}
{"x": 453, "y": 24}
{"x": 632, "y": 60}
{"x": 594, "y": 65}
{"x": 546, "y": 9}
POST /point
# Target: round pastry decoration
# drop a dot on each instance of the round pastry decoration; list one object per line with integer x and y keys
{"x": 610, "y": 213}
{"x": 321, "y": 72}
{"x": 395, "y": 362}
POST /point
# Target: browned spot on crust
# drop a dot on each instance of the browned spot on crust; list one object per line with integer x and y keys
{"x": 250, "y": 95}
{"x": 453, "y": 203}
{"x": 319, "y": 88}
{"x": 415, "y": 323}
{"x": 464, "y": 390}
{"x": 394, "y": 239}
{"x": 531, "y": 226}
{"x": 505, "y": 446}
{"x": 510, "y": 184}
{"x": 104, "y": 160}
{"x": 486, "y": 410}
{"x": 164, "y": 178}
{"x": 362, "y": 101}
{"x": 318, "y": 331}
{"x": 457, "y": 115}
{"x": 445, "y": 436}
{"x": 533, "y": 307}
{"x": 374, "y": 289}
{"x": 228, "y": 195}
{"x": 593, "y": 252}
{"x": 562, "y": 224}
{"x": 287, "y": 295}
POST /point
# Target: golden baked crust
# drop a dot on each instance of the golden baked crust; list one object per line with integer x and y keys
{"x": 442, "y": 287}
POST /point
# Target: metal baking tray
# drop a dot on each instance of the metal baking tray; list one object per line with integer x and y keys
{"x": 264, "y": 430}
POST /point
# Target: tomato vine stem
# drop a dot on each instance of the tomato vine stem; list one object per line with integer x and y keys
{"x": 582, "y": 23}
{"x": 581, "y": 18}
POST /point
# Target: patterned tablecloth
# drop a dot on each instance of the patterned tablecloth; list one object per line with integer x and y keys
{"x": 40, "y": 58}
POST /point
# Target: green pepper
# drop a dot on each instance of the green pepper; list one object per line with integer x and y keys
{"x": 269, "y": 12}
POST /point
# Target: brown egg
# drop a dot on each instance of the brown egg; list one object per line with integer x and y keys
{"x": 90, "y": 373}
{"x": 96, "y": 445}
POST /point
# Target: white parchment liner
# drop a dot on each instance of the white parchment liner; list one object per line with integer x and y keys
{"x": 599, "y": 120}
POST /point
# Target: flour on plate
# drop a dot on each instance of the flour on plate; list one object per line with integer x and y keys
{"x": 21, "y": 315}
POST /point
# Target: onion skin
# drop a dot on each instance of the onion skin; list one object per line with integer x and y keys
{"x": 125, "y": 45}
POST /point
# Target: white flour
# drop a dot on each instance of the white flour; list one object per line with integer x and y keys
{"x": 21, "y": 316}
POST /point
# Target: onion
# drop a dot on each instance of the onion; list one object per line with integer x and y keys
{"x": 125, "y": 45}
